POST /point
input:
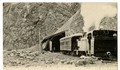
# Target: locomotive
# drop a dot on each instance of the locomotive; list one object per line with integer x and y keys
{"x": 96, "y": 42}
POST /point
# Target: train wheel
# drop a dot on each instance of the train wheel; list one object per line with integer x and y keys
{"x": 64, "y": 52}
{"x": 69, "y": 52}
{"x": 72, "y": 53}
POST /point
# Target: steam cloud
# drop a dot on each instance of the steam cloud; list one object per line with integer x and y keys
{"x": 93, "y": 13}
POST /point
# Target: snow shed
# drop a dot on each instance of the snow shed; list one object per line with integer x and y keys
{"x": 72, "y": 26}
{"x": 52, "y": 43}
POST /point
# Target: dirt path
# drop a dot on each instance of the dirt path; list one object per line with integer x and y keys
{"x": 65, "y": 67}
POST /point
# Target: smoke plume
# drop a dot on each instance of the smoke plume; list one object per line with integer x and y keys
{"x": 93, "y": 13}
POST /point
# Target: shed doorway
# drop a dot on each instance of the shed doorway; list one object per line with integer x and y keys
{"x": 55, "y": 42}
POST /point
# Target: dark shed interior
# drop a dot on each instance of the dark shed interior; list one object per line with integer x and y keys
{"x": 55, "y": 39}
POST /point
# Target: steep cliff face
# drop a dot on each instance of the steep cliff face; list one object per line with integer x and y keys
{"x": 23, "y": 21}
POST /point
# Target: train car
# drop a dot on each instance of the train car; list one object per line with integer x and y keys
{"x": 69, "y": 44}
{"x": 98, "y": 42}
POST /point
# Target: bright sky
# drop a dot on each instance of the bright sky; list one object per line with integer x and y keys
{"x": 94, "y": 12}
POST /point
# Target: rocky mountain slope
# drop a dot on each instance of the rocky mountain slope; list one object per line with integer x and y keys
{"x": 109, "y": 23}
{"x": 22, "y": 22}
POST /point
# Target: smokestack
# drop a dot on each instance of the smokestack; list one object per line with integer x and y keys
{"x": 94, "y": 12}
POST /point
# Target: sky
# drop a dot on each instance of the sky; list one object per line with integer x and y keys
{"x": 93, "y": 13}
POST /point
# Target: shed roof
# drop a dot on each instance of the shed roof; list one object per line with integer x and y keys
{"x": 66, "y": 26}
{"x": 74, "y": 35}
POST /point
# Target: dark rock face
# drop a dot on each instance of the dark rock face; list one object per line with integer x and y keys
{"x": 22, "y": 22}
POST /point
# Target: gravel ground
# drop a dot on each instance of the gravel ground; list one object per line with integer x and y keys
{"x": 24, "y": 60}
{"x": 66, "y": 67}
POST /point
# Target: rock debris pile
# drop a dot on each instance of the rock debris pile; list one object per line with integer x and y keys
{"x": 28, "y": 58}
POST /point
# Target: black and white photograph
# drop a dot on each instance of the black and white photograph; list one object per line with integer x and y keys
{"x": 60, "y": 36}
